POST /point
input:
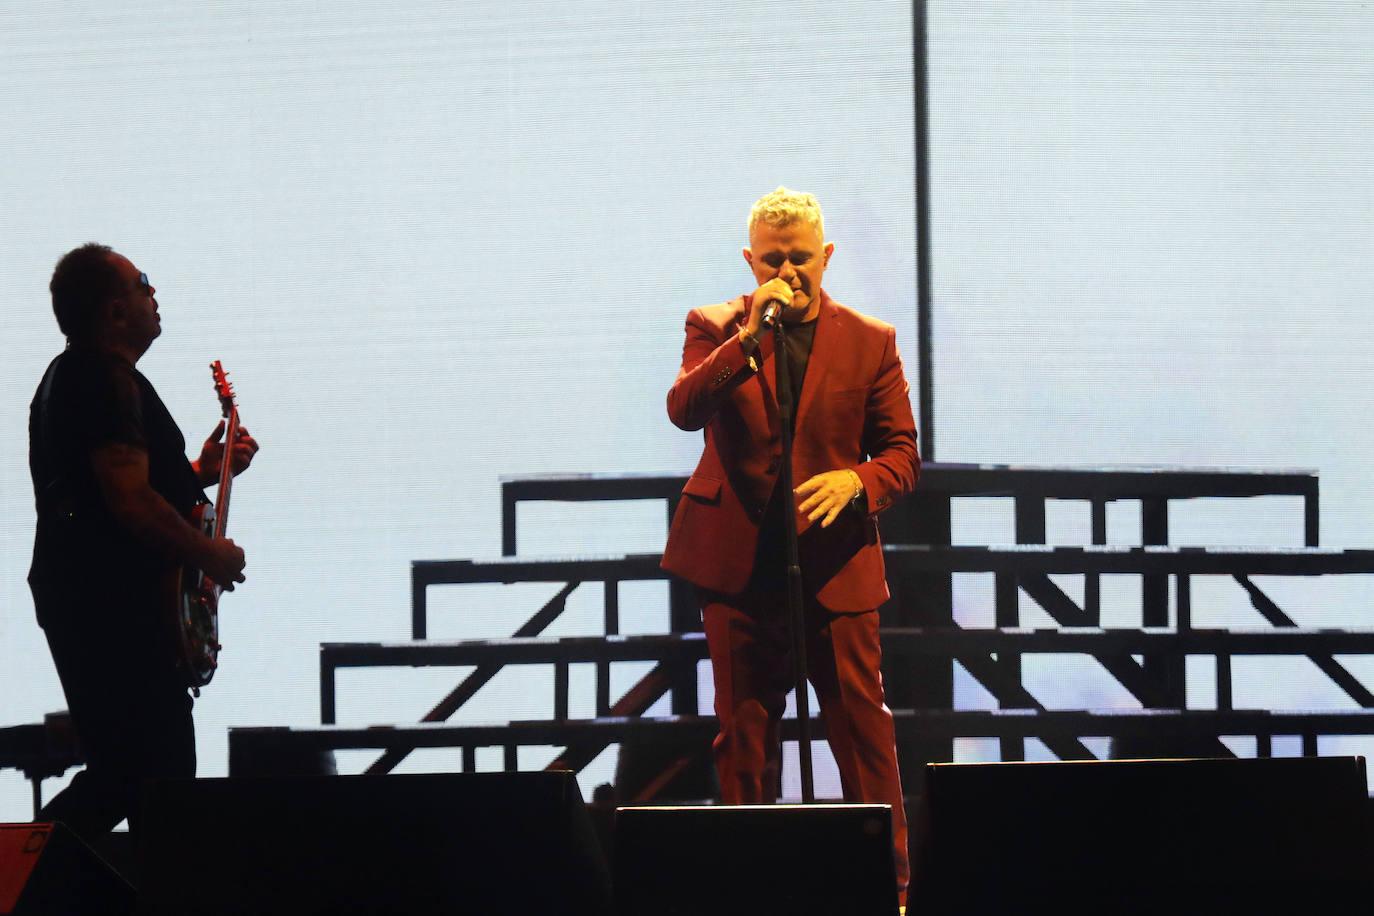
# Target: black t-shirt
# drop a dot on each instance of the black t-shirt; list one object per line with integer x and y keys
{"x": 800, "y": 338}
{"x": 90, "y": 397}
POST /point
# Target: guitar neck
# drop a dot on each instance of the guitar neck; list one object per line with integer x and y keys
{"x": 226, "y": 473}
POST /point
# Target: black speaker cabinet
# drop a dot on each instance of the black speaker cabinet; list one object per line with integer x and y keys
{"x": 480, "y": 843}
{"x": 746, "y": 860}
{"x": 1186, "y": 836}
{"x": 45, "y": 869}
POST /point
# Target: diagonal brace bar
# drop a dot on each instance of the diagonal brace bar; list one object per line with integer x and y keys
{"x": 477, "y": 679}
{"x": 1012, "y": 694}
{"x": 1132, "y": 675}
{"x": 1324, "y": 662}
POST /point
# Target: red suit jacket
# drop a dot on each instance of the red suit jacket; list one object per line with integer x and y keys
{"x": 854, "y": 412}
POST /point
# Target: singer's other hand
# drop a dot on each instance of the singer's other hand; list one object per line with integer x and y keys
{"x": 827, "y": 494}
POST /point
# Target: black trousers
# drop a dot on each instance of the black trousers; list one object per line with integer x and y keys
{"x": 129, "y": 705}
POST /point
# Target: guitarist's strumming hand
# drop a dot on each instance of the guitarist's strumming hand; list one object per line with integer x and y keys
{"x": 207, "y": 466}
{"x": 223, "y": 562}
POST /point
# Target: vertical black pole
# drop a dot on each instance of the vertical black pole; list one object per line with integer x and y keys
{"x": 923, "y": 288}
{"x": 787, "y": 413}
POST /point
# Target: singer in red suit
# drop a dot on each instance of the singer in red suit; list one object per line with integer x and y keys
{"x": 854, "y": 453}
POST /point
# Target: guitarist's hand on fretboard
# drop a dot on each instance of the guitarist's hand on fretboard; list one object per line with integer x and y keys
{"x": 207, "y": 466}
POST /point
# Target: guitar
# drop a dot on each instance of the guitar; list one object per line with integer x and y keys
{"x": 195, "y": 607}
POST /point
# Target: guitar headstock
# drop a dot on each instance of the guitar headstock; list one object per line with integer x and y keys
{"x": 223, "y": 389}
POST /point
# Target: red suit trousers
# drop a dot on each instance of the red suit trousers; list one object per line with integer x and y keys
{"x": 750, "y": 644}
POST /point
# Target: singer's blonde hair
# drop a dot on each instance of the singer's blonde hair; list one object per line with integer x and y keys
{"x": 783, "y": 207}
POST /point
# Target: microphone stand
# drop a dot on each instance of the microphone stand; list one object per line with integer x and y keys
{"x": 795, "y": 603}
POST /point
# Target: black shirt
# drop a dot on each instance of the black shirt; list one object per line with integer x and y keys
{"x": 800, "y": 338}
{"x": 90, "y": 397}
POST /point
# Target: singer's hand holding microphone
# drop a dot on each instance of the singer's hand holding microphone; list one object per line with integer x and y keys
{"x": 766, "y": 307}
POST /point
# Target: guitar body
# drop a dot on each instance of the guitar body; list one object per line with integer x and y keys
{"x": 193, "y": 600}
{"x": 194, "y": 604}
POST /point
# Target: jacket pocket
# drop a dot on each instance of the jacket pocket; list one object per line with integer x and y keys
{"x": 705, "y": 489}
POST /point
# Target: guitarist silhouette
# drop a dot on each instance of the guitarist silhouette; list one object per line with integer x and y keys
{"x": 114, "y": 491}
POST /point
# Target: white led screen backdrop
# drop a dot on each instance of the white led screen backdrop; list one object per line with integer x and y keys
{"x": 433, "y": 244}
{"x": 1150, "y": 234}
{"x": 437, "y": 244}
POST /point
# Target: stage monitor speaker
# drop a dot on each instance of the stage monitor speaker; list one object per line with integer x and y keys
{"x": 478, "y": 843}
{"x": 46, "y": 869}
{"x": 1204, "y": 836}
{"x": 744, "y": 860}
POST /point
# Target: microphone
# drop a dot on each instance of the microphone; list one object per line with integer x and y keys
{"x": 771, "y": 310}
